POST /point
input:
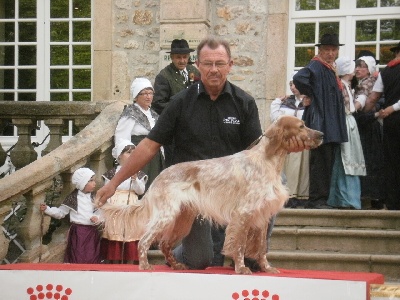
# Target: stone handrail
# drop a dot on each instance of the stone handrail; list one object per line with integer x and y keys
{"x": 90, "y": 147}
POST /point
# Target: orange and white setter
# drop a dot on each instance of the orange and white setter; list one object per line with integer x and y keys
{"x": 241, "y": 191}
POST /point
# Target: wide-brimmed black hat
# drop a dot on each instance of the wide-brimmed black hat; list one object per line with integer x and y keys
{"x": 397, "y": 48}
{"x": 367, "y": 53}
{"x": 329, "y": 39}
{"x": 180, "y": 47}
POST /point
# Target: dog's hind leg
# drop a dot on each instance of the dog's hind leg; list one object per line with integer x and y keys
{"x": 183, "y": 224}
{"x": 235, "y": 242}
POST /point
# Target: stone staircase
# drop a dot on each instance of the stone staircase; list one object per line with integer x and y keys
{"x": 336, "y": 240}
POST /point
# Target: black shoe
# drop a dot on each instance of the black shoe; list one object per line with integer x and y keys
{"x": 292, "y": 203}
{"x": 377, "y": 204}
{"x": 317, "y": 204}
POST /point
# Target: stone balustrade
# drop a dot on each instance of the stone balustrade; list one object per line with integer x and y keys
{"x": 34, "y": 179}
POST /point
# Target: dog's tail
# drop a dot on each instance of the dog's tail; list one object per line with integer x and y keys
{"x": 124, "y": 223}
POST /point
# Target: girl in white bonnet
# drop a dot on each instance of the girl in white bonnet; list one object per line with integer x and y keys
{"x": 83, "y": 246}
{"x": 120, "y": 245}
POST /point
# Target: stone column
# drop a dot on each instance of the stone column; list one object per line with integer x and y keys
{"x": 23, "y": 153}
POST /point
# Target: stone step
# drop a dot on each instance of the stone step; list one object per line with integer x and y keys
{"x": 380, "y": 219}
{"x": 368, "y": 241}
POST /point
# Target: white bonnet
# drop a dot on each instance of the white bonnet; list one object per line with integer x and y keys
{"x": 119, "y": 147}
{"x": 291, "y": 75}
{"x": 139, "y": 84}
{"x": 345, "y": 65}
{"x": 371, "y": 63}
{"x": 81, "y": 177}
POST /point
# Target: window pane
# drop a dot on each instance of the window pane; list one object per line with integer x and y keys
{"x": 6, "y": 96}
{"x": 82, "y": 55}
{"x": 329, "y": 4}
{"x": 27, "y": 32}
{"x": 9, "y": 32}
{"x": 385, "y": 54}
{"x": 81, "y": 96}
{"x": 303, "y": 55}
{"x": 82, "y": 9}
{"x": 305, "y": 33}
{"x": 81, "y": 31}
{"x": 27, "y": 55}
{"x": 59, "y": 9}
{"x": 305, "y": 5}
{"x": 390, "y": 29}
{"x": 366, "y": 3}
{"x": 9, "y": 79}
{"x": 366, "y": 30}
{"x": 59, "y": 97}
{"x": 388, "y": 3}
{"x": 358, "y": 48}
{"x": 27, "y": 79}
{"x": 27, "y": 9}
{"x": 9, "y": 9}
{"x": 59, "y": 55}
{"x": 328, "y": 27}
{"x": 6, "y": 129}
{"x": 59, "y": 32}
{"x": 59, "y": 79}
{"x": 7, "y": 55}
{"x": 26, "y": 96}
{"x": 82, "y": 79}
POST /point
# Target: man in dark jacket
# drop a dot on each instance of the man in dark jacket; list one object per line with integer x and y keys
{"x": 319, "y": 82}
{"x": 175, "y": 77}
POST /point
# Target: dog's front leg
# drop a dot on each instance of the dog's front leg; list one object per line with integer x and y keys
{"x": 262, "y": 252}
{"x": 235, "y": 242}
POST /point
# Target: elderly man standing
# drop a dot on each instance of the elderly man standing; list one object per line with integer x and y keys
{"x": 175, "y": 77}
{"x": 388, "y": 84}
{"x": 326, "y": 113}
{"x": 211, "y": 118}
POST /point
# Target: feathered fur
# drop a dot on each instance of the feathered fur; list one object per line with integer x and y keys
{"x": 241, "y": 191}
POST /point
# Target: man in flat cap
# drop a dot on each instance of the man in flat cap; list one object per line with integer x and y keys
{"x": 175, "y": 77}
{"x": 320, "y": 83}
{"x": 387, "y": 84}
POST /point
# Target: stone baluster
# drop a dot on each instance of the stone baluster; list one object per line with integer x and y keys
{"x": 101, "y": 161}
{"x": 4, "y": 241}
{"x": 34, "y": 225}
{"x": 81, "y": 123}
{"x": 56, "y": 130}
{"x": 23, "y": 153}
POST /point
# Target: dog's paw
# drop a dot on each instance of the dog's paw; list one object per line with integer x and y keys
{"x": 145, "y": 267}
{"x": 179, "y": 266}
{"x": 269, "y": 269}
{"x": 243, "y": 270}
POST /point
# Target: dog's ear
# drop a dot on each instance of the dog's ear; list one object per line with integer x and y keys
{"x": 274, "y": 133}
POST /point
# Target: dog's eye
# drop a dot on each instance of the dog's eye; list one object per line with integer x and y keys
{"x": 302, "y": 126}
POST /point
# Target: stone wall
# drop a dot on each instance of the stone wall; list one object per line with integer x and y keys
{"x": 141, "y": 32}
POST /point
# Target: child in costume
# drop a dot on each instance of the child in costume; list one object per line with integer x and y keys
{"x": 119, "y": 245}
{"x": 83, "y": 246}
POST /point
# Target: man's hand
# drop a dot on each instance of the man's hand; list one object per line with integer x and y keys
{"x": 296, "y": 144}
{"x": 103, "y": 194}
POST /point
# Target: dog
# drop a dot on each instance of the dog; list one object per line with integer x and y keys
{"x": 241, "y": 191}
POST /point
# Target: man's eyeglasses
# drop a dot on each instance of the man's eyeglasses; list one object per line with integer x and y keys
{"x": 146, "y": 94}
{"x": 217, "y": 64}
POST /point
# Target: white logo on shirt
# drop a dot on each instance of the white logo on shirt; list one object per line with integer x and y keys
{"x": 231, "y": 120}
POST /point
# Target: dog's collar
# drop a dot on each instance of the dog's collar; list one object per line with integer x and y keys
{"x": 255, "y": 142}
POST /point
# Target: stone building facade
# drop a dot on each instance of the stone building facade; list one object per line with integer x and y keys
{"x": 131, "y": 40}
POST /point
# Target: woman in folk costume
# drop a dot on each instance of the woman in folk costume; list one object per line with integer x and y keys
{"x": 137, "y": 120}
{"x": 120, "y": 245}
{"x": 296, "y": 168}
{"x": 83, "y": 246}
{"x": 345, "y": 189}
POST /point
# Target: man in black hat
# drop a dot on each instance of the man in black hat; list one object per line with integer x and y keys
{"x": 175, "y": 77}
{"x": 388, "y": 84}
{"x": 319, "y": 82}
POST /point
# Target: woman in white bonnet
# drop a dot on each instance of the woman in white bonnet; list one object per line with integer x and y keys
{"x": 345, "y": 189}
{"x": 83, "y": 242}
{"x": 370, "y": 129}
{"x": 119, "y": 245}
{"x": 137, "y": 120}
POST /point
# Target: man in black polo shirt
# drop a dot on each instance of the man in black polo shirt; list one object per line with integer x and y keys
{"x": 211, "y": 118}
